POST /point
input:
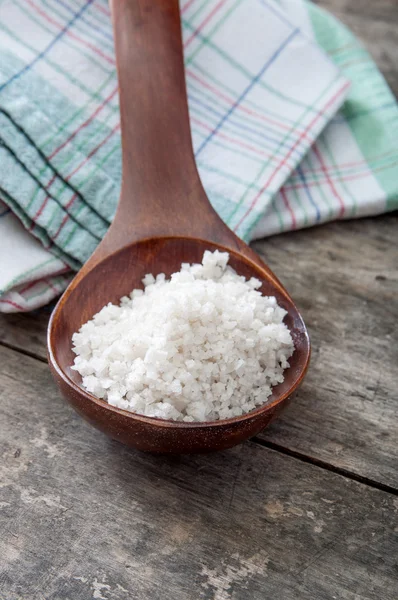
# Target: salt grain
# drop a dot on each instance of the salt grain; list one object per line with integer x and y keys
{"x": 202, "y": 346}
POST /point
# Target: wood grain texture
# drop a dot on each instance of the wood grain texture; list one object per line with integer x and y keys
{"x": 82, "y": 517}
{"x": 25, "y": 331}
{"x": 345, "y": 279}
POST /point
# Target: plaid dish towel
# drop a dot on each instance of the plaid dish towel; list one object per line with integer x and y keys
{"x": 263, "y": 94}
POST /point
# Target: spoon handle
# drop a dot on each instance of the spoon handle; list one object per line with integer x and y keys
{"x": 160, "y": 179}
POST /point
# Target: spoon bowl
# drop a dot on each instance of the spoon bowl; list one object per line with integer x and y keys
{"x": 116, "y": 276}
{"x": 164, "y": 218}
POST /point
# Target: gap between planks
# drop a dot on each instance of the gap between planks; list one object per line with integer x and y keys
{"x": 23, "y": 351}
{"x": 326, "y": 466}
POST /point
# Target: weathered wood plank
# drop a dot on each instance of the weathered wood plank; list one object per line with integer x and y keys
{"x": 344, "y": 277}
{"x": 83, "y": 517}
{"x": 25, "y": 331}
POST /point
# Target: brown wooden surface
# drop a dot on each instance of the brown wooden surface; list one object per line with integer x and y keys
{"x": 344, "y": 277}
{"x": 82, "y": 517}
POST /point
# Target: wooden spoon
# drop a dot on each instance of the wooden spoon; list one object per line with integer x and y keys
{"x": 164, "y": 218}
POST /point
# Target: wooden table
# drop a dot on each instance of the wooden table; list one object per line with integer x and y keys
{"x": 307, "y": 510}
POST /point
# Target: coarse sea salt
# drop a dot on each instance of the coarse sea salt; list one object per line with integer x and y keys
{"x": 203, "y": 345}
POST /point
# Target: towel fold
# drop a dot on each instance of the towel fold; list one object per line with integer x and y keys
{"x": 265, "y": 80}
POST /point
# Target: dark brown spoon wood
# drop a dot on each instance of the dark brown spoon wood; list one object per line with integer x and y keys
{"x": 164, "y": 218}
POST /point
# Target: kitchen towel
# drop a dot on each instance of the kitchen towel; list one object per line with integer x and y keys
{"x": 265, "y": 80}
